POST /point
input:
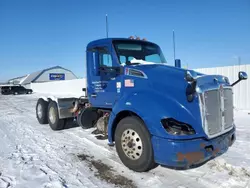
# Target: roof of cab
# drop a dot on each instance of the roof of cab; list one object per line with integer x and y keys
{"x": 109, "y": 40}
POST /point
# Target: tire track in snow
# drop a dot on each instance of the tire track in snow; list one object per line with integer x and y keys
{"x": 27, "y": 134}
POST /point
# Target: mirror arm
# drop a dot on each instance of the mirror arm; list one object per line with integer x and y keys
{"x": 235, "y": 83}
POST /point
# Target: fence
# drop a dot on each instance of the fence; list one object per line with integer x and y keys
{"x": 241, "y": 90}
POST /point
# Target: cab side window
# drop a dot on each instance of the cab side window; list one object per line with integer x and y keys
{"x": 105, "y": 59}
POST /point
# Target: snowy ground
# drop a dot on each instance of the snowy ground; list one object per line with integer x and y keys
{"x": 34, "y": 156}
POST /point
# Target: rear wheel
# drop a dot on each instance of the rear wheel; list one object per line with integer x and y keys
{"x": 53, "y": 117}
{"x": 133, "y": 144}
{"x": 41, "y": 111}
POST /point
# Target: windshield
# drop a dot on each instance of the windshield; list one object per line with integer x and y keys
{"x": 138, "y": 52}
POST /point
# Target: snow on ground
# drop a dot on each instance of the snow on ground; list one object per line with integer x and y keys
{"x": 34, "y": 156}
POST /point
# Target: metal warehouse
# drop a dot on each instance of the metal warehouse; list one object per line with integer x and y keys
{"x": 46, "y": 75}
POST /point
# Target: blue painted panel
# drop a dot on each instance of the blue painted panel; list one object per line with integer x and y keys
{"x": 188, "y": 153}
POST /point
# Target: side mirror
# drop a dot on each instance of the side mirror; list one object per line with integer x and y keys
{"x": 242, "y": 76}
{"x": 190, "y": 76}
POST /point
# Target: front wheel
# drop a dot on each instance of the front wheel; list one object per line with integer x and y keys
{"x": 133, "y": 144}
{"x": 53, "y": 117}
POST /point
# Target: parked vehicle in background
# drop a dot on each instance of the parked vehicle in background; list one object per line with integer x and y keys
{"x": 5, "y": 90}
{"x": 15, "y": 90}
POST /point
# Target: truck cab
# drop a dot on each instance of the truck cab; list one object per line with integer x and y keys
{"x": 152, "y": 112}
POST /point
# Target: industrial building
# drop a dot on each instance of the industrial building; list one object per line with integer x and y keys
{"x": 17, "y": 80}
{"x": 46, "y": 75}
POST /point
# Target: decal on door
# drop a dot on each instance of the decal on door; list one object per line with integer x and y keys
{"x": 99, "y": 86}
{"x": 118, "y": 86}
{"x": 129, "y": 83}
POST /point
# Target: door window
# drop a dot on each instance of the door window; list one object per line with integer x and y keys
{"x": 105, "y": 59}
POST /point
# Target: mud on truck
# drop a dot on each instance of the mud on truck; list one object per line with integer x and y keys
{"x": 153, "y": 113}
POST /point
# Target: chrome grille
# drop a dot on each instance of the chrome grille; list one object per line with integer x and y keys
{"x": 228, "y": 108}
{"x": 217, "y": 111}
{"x": 213, "y": 118}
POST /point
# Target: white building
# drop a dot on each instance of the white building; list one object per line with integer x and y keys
{"x": 46, "y": 75}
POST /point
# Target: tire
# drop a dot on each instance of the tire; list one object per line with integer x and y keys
{"x": 53, "y": 117}
{"x": 141, "y": 146}
{"x": 15, "y": 93}
{"x": 41, "y": 111}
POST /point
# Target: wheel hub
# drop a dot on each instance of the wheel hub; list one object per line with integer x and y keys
{"x": 52, "y": 115}
{"x": 131, "y": 144}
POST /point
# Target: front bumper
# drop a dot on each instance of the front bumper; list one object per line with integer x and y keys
{"x": 185, "y": 154}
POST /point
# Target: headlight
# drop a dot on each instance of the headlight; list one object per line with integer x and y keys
{"x": 175, "y": 127}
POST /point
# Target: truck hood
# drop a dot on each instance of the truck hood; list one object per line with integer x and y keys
{"x": 166, "y": 86}
{"x": 163, "y": 79}
{"x": 165, "y": 76}
{"x": 162, "y": 72}
{"x": 158, "y": 67}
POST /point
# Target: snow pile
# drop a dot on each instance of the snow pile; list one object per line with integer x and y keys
{"x": 33, "y": 156}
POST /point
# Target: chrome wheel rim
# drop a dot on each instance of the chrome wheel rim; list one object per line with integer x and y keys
{"x": 131, "y": 144}
{"x": 39, "y": 110}
{"x": 52, "y": 115}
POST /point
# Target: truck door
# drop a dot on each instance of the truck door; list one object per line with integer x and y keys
{"x": 102, "y": 76}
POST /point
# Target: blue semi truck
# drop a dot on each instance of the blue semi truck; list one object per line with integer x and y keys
{"x": 154, "y": 113}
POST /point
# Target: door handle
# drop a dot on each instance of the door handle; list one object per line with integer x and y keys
{"x": 93, "y": 95}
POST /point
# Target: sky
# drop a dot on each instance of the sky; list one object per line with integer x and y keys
{"x": 37, "y": 34}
